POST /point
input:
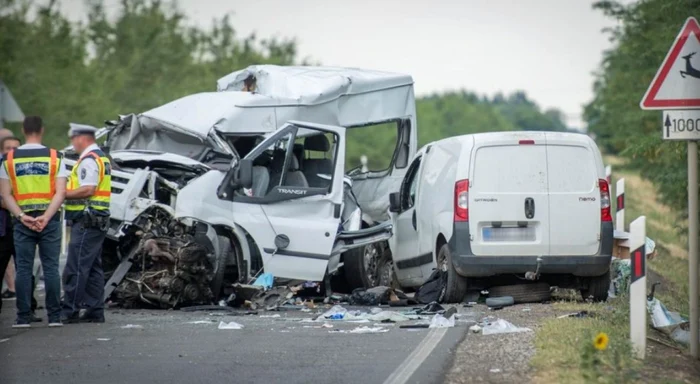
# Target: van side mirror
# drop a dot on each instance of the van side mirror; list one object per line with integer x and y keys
{"x": 245, "y": 174}
{"x": 395, "y": 202}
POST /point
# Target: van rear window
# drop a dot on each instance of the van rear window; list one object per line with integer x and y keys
{"x": 571, "y": 169}
{"x": 511, "y": 169}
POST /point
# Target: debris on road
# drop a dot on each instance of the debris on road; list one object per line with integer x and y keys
{"x": 265, "y": 280}
{"x": 414, "y": 326}
{"x": 495, "y": 370}
{"x": 200, "y": 322}
{"x": 433, "y": 290}
{"x": 576, "y": 314}
{"x": 502, "y": 326}
{"x": 363, "y": 329}
{"x": 439, "y": 321}
{"x": 231, "y": 325}
{"x": 101, "y": 339}
{"x": 131, "y": 326}
{"x": 475, "y": 328}
{"x": 499, "y": 302}
{"x": 271, "y": 316}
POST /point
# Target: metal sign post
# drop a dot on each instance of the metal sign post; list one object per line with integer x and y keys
{"x": 638, "y": 287}
{"x": 675, "y": 90}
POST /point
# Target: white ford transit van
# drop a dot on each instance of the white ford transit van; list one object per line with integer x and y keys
{"x": 531, "y": 204}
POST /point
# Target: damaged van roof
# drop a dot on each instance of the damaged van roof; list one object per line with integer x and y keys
{"x": 325, "y": 95}
{"x": 306, "y": 85}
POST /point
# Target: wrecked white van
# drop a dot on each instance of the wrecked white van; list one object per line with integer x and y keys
{"x": 215, "y": 186}
{"x": 534, "y": 205}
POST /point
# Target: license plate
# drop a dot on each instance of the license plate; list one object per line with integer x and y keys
{"x": 491, "y": 234}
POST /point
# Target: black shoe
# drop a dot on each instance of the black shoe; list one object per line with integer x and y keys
{"x": 72, "y": 319}
{"x": 9, "y": 294}
{"x": 92, "y": 319}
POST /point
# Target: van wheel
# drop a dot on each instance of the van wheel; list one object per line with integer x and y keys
{"x": 597, "y": 288}
{"x": 456, "y": 285}
{"x": 219, "y": 269}
{"x": 362, "y": 266}
{"x": 523, "y": 293}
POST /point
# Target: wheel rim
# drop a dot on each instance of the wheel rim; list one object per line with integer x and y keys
{"x": 442, "y": 261}
{"x": 386, "y": 274}
{"x": 371, "y": 256}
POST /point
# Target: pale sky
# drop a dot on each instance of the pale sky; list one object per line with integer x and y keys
{"x": 548, "y": 48}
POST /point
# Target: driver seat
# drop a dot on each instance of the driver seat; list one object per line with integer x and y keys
{"x": 313, "y": 167}
{"x": 295, "y": 178}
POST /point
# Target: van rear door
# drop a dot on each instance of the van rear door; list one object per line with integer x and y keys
{"x": 574, "y": 196}
{"x": 508, "y": 199}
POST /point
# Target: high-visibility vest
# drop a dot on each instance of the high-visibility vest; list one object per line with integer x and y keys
{"x": 32, "y": 175}
{"x": 100, "y": 200}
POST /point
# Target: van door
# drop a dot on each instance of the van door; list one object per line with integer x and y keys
{"x": 295, "y": 226}
{"x": 574, "y": 197}
{"x": 508, "y": 199}
{"x": 405, "y": 243}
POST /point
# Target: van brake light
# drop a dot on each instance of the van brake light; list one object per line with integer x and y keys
{"x": 605, "y": 215}
{"x": 461, "y": 208}
{"x": 526, "y": 142}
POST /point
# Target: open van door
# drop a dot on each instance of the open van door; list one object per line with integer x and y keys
{"x": 297, "y": 228}
{"x": 508, "y": 196}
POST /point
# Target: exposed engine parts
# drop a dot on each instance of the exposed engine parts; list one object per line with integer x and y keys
{"x": 169, "y": 267}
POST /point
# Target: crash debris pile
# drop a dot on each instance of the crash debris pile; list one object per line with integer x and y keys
{"x": 168, "y": 268}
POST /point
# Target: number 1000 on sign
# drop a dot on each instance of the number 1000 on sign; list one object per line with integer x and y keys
{"x": 681, "y": 125}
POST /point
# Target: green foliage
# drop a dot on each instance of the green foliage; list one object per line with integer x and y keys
{"x": 147, "y": 55}
{"x": 642, "y": 38}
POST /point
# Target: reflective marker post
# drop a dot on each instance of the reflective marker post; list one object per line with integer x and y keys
{"x": 693, "y": 246}
{"x": 620, "y": 206}
{"x": 638, "y": 287}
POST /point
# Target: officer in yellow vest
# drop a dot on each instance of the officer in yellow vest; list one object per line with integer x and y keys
{"x": 33, "y": 185}
{"x": 87, "y": 210}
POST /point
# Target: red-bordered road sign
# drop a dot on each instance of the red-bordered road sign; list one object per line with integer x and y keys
{"x": 677, "y": 82}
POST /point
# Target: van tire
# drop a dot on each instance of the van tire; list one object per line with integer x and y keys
{"x": 354, "y": 265}
{"x": 598, "y": 287}
{"x": 456, "y": 286}
{"x": 225, "y": 254}
{"x": 523, "y": 293}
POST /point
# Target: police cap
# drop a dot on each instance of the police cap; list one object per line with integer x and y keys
{"x": 81, "y": 129}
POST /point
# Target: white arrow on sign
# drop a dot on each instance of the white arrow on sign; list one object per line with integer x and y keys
{"x": 681, "y": 124}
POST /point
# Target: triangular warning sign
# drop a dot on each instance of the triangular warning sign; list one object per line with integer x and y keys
{"x": 677, "y": 82}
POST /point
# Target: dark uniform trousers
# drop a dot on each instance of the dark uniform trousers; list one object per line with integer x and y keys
{"x": 83, "y": 278}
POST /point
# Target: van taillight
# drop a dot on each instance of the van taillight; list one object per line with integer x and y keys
{"x": 604, "y": 200}
{"x": 462, "y": 200}
{"x": 526, "y": 142}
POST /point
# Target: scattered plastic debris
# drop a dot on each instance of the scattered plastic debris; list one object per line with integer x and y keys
{"x": 475, "y": 328}
{"x": 439, "y": 321}
{"x": 326, "y": 325}
{"x": 231, "y": 325}
{"x": 359, "y": 321}
{"x": 271, "y": 316}
{"x": 98, "y": 339}
{"x": 366, "y": 329}
{"x": 671, "y": 323}
{"x": 337, "y": 312}
{"x": 131, "y": 326}
{"x": 200, "y": 322}
{"x": 265, "y": 280}
{"x": 502, "y": 326}
{"x": 495, "y": 370}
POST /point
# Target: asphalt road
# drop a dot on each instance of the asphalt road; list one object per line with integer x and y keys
{"x": 165, "y": 347}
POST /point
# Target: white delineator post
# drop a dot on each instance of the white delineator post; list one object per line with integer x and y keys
{"x": 638, "y": 287}
{"x": 608, "y": 172}
{"x": 620, "y": 206}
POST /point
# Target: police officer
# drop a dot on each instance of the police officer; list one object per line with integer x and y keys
{"x": 33, "y": 186}
{"x": 87, "y": 210}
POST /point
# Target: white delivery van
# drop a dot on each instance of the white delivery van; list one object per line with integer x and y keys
{"x": 531, "y": 204}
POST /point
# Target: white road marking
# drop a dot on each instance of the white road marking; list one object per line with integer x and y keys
{"x": 3, "y": 340}
{"x": 404, "y": 371}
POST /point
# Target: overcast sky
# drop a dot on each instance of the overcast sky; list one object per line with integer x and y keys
{"x": 549, "y": 48}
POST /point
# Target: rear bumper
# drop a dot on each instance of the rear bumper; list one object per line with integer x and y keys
{"x": 468, "y": 265}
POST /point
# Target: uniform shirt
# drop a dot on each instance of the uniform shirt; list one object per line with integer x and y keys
{"x": 88, "y": 171}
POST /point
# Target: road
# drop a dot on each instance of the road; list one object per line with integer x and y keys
{"x": 165, "y": 347}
